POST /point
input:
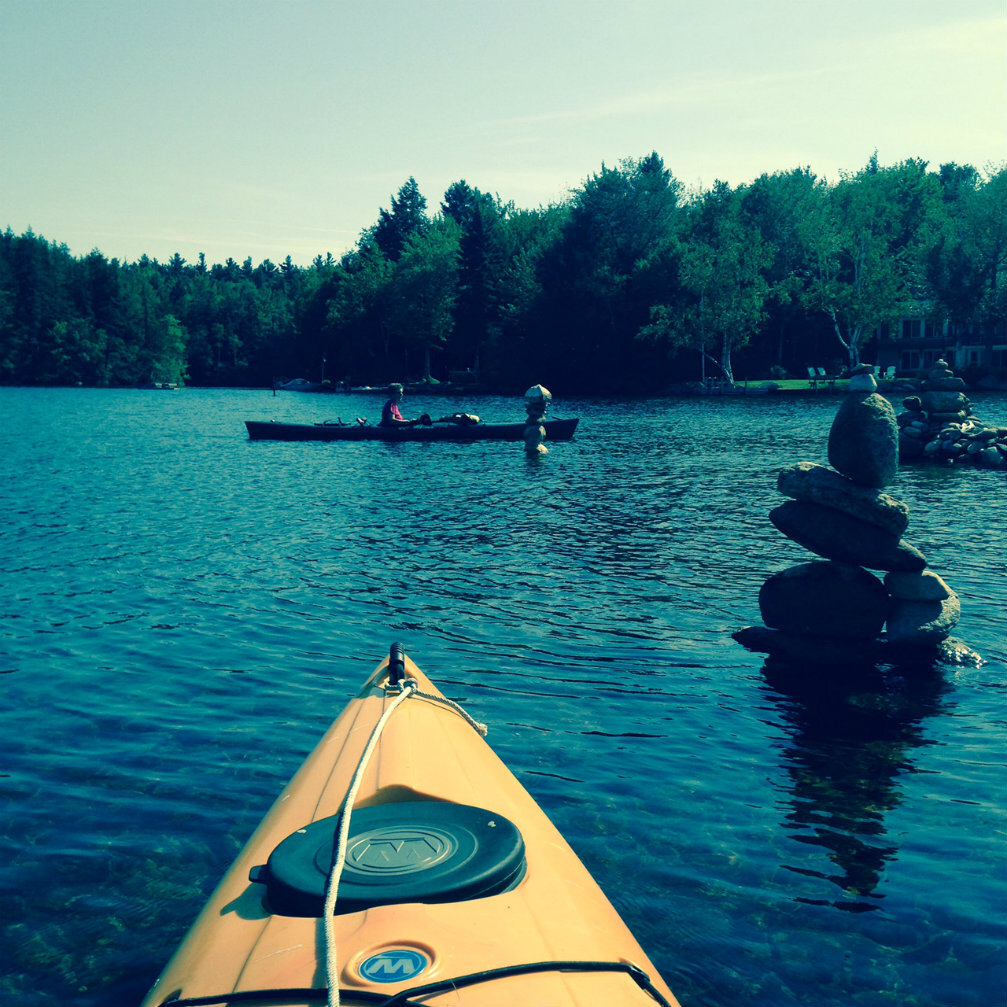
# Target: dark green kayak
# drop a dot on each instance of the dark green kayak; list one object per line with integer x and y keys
{"x": 265, "y": 430}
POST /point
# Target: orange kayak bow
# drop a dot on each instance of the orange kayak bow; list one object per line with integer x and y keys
{"x": 445, "y": 885}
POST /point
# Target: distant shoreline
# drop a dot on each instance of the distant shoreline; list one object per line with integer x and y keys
{"x": 751, "y": 389}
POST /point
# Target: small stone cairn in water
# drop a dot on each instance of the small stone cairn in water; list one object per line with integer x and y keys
{"x": 832, "y": 610}
{"x": 938, "y": 426}
{"x": 536, "y": 405}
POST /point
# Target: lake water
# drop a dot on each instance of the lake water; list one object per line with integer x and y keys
{"x": 183, "y": 612}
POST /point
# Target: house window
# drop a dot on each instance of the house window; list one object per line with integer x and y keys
{"x": 912, "y": 328}
{"x": 998, "y": 358}
{"x": 910, "y": 360}
{"x": 968, "y": 356}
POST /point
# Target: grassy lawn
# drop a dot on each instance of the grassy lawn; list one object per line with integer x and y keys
{"x": 798, "y": 384}
{"x": 841, "y": 384}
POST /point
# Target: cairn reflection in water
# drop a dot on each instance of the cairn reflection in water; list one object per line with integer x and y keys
{"x": 851, "y": 741}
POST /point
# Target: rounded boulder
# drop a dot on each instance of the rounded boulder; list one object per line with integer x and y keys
{"x": 922, "y": 623}
{"x": 823, "y": 599}
{"x": 864, "y": 440}
{"x": 923, "y": 585}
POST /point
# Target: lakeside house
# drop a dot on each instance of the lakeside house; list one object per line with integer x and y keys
{"x": 927, "y": 336}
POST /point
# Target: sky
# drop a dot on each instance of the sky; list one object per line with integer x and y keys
{"x": 262, "y": 129}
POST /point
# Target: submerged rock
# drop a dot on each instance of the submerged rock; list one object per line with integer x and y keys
{"x": 954, "y": 651}
{"x": 843, "y": 656}
{"x": 808, "y": 650}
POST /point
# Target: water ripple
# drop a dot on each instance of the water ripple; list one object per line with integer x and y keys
{"x": 184, "y": 611}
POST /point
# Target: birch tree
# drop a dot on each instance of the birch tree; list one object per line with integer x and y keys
{"x": 722, "y": 276}
{"x": 865, "y": 244}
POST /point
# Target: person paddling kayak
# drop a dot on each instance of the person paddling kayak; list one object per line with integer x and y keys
{"x": 391, "y": 415}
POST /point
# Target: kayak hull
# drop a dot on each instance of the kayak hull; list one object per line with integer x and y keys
{"x": 554, "y": 913}
{"x": 263, "y": 430}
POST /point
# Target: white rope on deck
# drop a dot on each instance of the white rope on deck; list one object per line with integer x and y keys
{"x": 409, "y": 687}
{"x": 476, "y": 726}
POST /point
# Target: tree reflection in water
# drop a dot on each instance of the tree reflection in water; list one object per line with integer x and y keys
{"x": 849, "y": 743}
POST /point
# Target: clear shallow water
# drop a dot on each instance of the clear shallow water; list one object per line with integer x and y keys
{"x": 183, "y": 612}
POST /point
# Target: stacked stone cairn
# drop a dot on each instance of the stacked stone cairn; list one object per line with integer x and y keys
{"x": 938, "y": 425}
{"x": 536, "y": 405}
{"x": 833, "y": 610}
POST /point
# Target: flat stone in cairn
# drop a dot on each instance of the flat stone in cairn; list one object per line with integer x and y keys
{"x": 820, "y": 485}
{"x": 922, "y": 623}
{"x": 809, "y": 650}
{"x": 946, "y": 384}
{"x": 864, "y": 440}
{"x": 942, "y": 403}
{"x": 958, "y": 417}
{"x": 825, "y": 600}
{"x": 862, "y": 379}
{"x": 834, "y": 535}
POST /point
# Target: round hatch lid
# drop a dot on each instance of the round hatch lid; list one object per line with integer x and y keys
{"x": 410, "y": 851}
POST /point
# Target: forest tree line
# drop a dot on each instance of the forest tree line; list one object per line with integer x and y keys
{"x": 629, "y": 284}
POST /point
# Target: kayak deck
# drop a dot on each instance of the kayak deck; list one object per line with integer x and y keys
{"x": 268, "y": 430}
{"x": 546, "y": 935}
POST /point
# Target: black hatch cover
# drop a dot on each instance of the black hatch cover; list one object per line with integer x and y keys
{"x": 410, "y": 851}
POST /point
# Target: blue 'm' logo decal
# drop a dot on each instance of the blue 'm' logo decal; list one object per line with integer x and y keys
{"x": 393, "y": 966}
